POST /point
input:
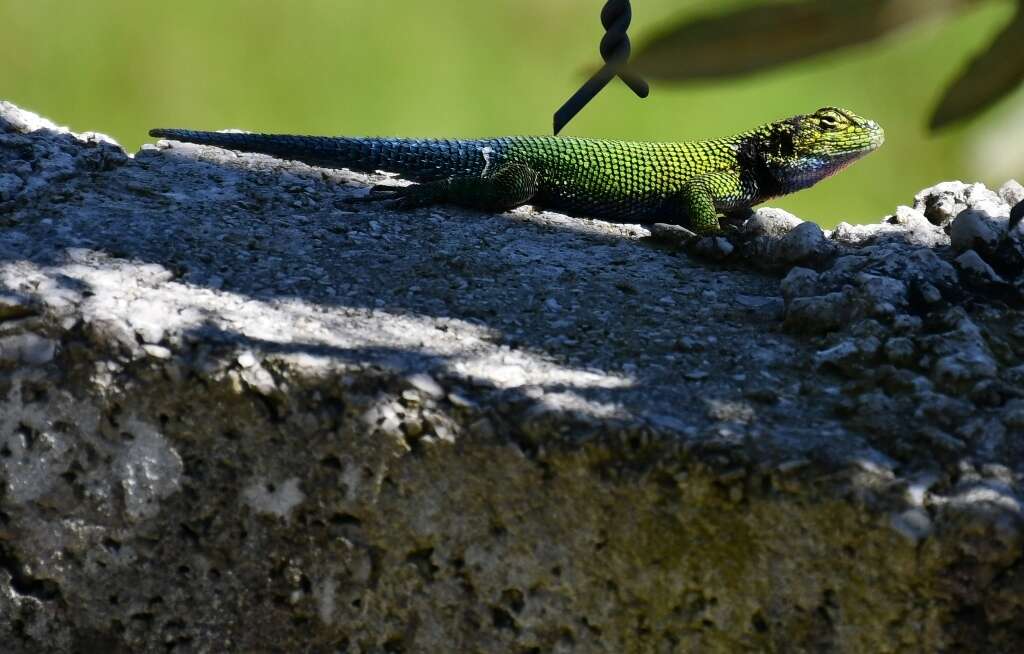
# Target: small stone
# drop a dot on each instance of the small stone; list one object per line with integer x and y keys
{"x": 772, "y": 222}
{"x": 929, "y": 293}
{"x": 260, "y": 379}
{"x": 941, "y": 409}
{"x": 900, "y": 350}
{"x": 13, "y": 307}
{"x": 875, "y": 405}
{"x": 246, "y": 360}
{"x": 854, "y": 234}
{"x": 820, "y": 313}
{"x": 1013, "y": 414}
{"x": 37, "y": 351}
{"x": 806, "y": 241}
{"x": 461, "y": 401}
{"x": 762, "y": 394}
{"x": 410, "y": 396}
{"x": 157, "y": 351}
{"x": 904, "y": 381}
{"x": 627, "y": 287}
{"x": 907, "y": 217}
{"x": 666, "y": 422}
{"x": 979, "y": 228}
{"x": 412, "y": 426}
{"x": 764, "y": 305}
{"x": 941, "y": 440}
{"x": 730, "y": 411}
{"x": 988, "y": 392}
{"x": 482, "y": 428}
{"x": 788, "y": 467}
{"x": 687, "y": 344}
{"x": 976, "y": 268}
{"x": 998, "y": 472}
{"x": 1015, "y": 375}
{"x": 1012, "y": 192}
{"x": 913, "y": 524}
{"x": 799, "y": 282}
{"x": 966, "y": 366}
{"x": 426, "y": 385}
{"x": 880, "y": 295}
{"x": 148, "y": 319}
{"x": 842, "y": 356}
{"x": 732, "y": 476}
{"x": 715, "y": 247}
{"x": 276, "y": 499}
{"x": 29, "y": 349}
{"x": 10, "y": 185}
{"x": 907, "y": 324}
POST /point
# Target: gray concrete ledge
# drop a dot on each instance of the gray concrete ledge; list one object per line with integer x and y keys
{"x": 240, "y": 413}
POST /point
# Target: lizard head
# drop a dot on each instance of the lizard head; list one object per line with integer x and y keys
{"x": 805, "y": 149}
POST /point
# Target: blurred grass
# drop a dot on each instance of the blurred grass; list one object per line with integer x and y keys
{"x": 464, "y": 69}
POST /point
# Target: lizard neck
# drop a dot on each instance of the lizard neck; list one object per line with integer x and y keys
{"x": 752, "y": 156}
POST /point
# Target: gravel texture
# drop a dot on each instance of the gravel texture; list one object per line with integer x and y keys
{"x": 241, "y": 410}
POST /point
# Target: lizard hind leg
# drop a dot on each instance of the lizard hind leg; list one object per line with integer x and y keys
{"x": 508, "y": 187}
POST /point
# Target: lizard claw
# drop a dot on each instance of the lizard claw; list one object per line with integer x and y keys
{"x": 389, "y": 195}
{"x": 406, "y": 198}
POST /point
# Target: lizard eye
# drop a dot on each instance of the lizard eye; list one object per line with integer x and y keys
{"x": 827, "y": 121}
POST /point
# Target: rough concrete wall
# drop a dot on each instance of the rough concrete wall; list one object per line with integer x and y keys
{"x": 242, "y": 414}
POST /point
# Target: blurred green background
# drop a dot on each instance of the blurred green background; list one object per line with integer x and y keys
{"x": 464, "y": 68}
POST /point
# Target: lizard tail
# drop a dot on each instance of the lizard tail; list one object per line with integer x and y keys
{"x": 419, "y": 160}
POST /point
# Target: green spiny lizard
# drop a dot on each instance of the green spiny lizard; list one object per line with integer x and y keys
{"x": 686, "y": 183}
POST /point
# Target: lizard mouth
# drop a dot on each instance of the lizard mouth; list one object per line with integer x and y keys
{"x": 808, "y": 171}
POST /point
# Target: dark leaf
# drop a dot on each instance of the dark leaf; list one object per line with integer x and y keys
{"x": 768, "y": 35}
{"x": 1016, "y": 215}
{"x": 990, "y": 76}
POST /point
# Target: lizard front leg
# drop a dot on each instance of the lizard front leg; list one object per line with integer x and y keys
{"x": 697, "y": 202}
{"x": 508, "y": 187}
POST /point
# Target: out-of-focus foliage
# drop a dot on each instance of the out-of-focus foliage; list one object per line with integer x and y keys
{"x": 746, "y": 40}
{"x": 458, "y": 68}
{"x": 990, "y": 76}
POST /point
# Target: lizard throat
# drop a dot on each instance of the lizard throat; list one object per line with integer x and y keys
{"x": 808, "y": 171}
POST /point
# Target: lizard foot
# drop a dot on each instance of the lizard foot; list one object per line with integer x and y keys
{"x": 397, "y": 197}
{"x": 405, "y": 198}
{"x": 669, "y": 234}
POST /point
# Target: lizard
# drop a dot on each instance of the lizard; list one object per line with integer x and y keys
{"x": 688, "y": 183}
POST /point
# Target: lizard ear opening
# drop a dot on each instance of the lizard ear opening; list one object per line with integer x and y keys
{"x": 781, "y": 142}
